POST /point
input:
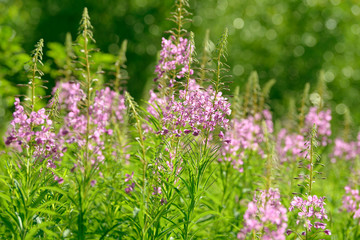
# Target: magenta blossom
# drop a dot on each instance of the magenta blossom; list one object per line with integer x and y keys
{"x": 265, "y": 215}
{"x": 108, "y": 107}
{"x": 244, "y": 135}
{"x": 311, "y": 212}
{"x": 322, "y": 121}
{"x": 34, "y": 130}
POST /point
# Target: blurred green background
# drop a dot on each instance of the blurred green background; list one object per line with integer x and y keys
{"x": 289, "y": 40}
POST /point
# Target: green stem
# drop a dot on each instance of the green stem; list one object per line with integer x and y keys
{"x": 311, "y": 164}
{"x": 179, "y": 17}
{"x": 88, "y": 96}
{"x": 143, "y": 159}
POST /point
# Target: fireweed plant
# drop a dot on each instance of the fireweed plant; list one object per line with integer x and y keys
{"x": 189, "y": 162}
{"x": 311, "y": 216}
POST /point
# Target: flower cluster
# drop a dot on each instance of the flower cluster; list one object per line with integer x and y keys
{"x": 70, "y": 96}
{"x": 311, "y": 212}
{"x": 156, "y": 104}
{"x": 344, "y": 150}
{"x": 265, "y": 215}
{"x": 174, "y": 57}
{"x": 245, "y": 134}
{"x": 322, "y": 121}
{"x": 290, "y": 146}
{"x": 351, "y": 201}
{"x": 196, "y": 110}
{"x": 34, "y": 130}
{"x": 108, "y": 106}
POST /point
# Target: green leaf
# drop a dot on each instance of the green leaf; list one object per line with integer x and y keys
{"x": 5, "y": 197}
{"x": 43, "y": 226}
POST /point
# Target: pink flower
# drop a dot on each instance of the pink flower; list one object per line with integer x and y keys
{"x": 243, "y": 135}
{"x": 265, "y": 213}
{"x": 174, "y": 57}
{"x": 322, "y": 121}
{"x": 92, "y": 183}
{"x": 310, "y": 211}
{"x": 58, "y": 179}
{"x": 130, "y": 188}
{"x": 108, "y": 106}
{"x": 34, "y": 129}
{"x": 351, "y": 201}
{"x": 197, "y": 111}
{"x": 129, "y": 177}
{"x": 157, "y": 191}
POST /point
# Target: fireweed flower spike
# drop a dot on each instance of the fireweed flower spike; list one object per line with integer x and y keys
{"x": 265, "y": 215}
{"x": 347, "y": 150}
{"x": 31, "y": 131}
{"x": 310, "y": 209}
{"x": 174, "y": 56}
{"x": 322, "y": 120}
{"x": 193, "y": 112}
{"x": 101, "y": 112}
{"x": 290, "y": 146}
{"x": 351, "y": 201}
{"x": 244, "y": 134}
{"x": 34, "y": 130}
{"x": 196, "y": 109}
{"x": 311, "y": 213}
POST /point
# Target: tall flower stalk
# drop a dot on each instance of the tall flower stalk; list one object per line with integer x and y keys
{"x": 84, "y": 39}
{"x": 87, "y": 36}
{"x": 310, "y": 208}
{"x": 30, "y": 163}
{"x": 265, "y": 217}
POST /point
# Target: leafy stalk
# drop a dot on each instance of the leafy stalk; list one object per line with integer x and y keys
{"x": 86, "y": 36}
{"x": 347, "y": 124}
{"x": 132, "y": 106}
{"x": 221, "y": 67}
{"x": 120, "y": 65}
{"x": 237, "y": 108}
{"x": 255, "y": 94}
{"x": 304, "y": 101}
{"x": 204, "y": 58}
{"x": 291, "y": 114}
{"x": 33, "y": 84}
{"x": 265, "y": 93}
{"x": 269, "y": 158}
{"x": 321, "y": 90}
{"x": 192, "y": 52}
{"x": 251, "y": 93}
{"x": 69, "y": 57}
{"x": 180, "y": 17}
{"x": 36, "y": 72}
{"x": 312, "y": 158}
